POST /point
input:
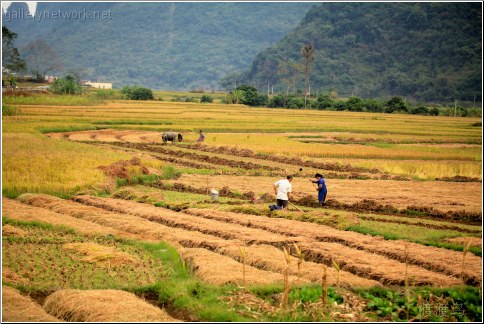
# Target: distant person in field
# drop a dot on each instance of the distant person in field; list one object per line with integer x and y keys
{"x": 282, "y": 189}
{"x": 180, "y": 137}
{"x": 321, "y": 188}
{"x": 201, "y": 138}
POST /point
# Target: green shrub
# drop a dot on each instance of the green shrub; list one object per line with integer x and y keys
{"x": 206, "y": 99}
{"x": 323, "y": 102}
{"x": 434, "y": 111}
{"x": 354, "y": 104}
{"x": 419, "y": 110}
{"x": 137, "y": 93}
{"x": 67, "y": 85}
{"x": 295, "y": 103}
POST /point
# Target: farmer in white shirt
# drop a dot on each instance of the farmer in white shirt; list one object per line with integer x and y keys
{"x": 282, "y": 189}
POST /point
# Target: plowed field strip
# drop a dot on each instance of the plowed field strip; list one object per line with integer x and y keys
{"x": 295, "y": 161}
{"x": 194, "y": 156}
{"x": 431, "y": 258}
{"x": 175, "y": 155}
{"x": 124, "y": 222}
{"x": 219, "y": 269}
{"x": 166, "y": 217}
{"x": 387, "y": 271}
{"x": 270, "y": 258}
{"x": 144, "y": 229}
{"x": 356, "y": 260}
{"x": 162, "y": 157}
{"x": 18, "y": 211}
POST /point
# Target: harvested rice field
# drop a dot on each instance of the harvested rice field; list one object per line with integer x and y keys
{"x": 148, "y": 231}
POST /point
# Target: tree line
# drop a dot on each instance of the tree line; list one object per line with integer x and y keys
{"x": 250, "y": 96}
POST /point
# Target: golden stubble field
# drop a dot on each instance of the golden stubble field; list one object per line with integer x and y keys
{"x": 51, "y": 159}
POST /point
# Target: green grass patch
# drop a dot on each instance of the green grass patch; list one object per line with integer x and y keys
{"x": 416, "y": 234}
{"x": 132, "y": 122}
{"x": 44, "y": 263}
{"x": 10, "y": 110}
{"x": 36, "y": 224}
{"x": 435, "y": 304}
{"x": 54, "y": 100}
{"x": 62, "y": 129}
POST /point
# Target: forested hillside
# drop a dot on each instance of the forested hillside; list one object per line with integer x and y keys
{"x": 158, "y": 45}
{"x": 425, "y": 51}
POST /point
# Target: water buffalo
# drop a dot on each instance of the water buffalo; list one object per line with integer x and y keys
{"x": 171, "y": 137}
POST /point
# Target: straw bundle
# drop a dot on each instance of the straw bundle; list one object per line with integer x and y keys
{"x": 18, "y": 308}
{"x": 102, "y": 306}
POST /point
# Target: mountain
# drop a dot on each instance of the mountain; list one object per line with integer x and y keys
{"x": 158, "y": 45}
{"x": 426, "y": 51}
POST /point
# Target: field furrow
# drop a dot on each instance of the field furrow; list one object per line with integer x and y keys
{"x": 356, "y": 258}
{"x": 145, "y": 229}
{"x": 18, "y": 211}
{"x": 218, "y": 269}
{"x": 432, "y": 258}
{"x": 170, "y": 218}
{"x": 374, "y": 266}
{"x": 271, "y": 258}
{"x": 216, "y": 160}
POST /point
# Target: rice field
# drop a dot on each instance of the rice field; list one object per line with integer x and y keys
{"x": 97, "y": 211}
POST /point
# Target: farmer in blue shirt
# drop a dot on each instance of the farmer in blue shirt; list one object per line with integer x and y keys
{"x": 321, "y": 188}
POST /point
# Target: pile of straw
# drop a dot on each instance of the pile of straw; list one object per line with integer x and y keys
{"x": 102, "y": 306}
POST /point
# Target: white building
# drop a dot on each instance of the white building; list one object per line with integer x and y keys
{"x": 99, "y": 85}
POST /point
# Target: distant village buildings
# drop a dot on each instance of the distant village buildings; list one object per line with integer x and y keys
{"x": 50, "y": 78}
{"x": 99, "y": 85}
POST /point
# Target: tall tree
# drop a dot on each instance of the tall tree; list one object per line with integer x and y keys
{"x": 10, "y": 56}
{"x": 308, "y": 53}
{"x": 289, "y": 72}
{"x": 41, "y": 58}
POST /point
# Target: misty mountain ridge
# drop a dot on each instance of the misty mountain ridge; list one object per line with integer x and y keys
{"x": 158, "y": 45}
{"x": 426, "y": 51}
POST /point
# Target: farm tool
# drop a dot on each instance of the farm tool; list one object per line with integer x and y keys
{"x": 296, "y": 207}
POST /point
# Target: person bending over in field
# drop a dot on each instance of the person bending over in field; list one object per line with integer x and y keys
{"x": 321, "y": 188}
{"x": 201, "y": 138}
{"x": 282, "y": 188}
